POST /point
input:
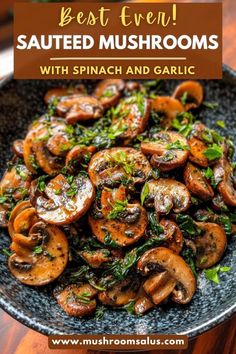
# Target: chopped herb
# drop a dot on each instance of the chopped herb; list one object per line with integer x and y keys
{"x": 184, "y": 98}
{"x": 145, "y": 192}
{"x": 84, "y": 298}
{"x": 187, "y": 225}
{"x": 210, "y": 105}
{"x": 108, "y": 240}
{"x": 73, "y": 190}
{"x": 33, "y": 162}
{"x": 99, "y": 313}
{"x": 118, "y": 207}
{"x": 108, "y": 93}
{"x": 177, "y": 145}
{"x": 130, "y": 307}
{"x": 21, "y": 172}
{"x": 37, "y": 250}
{"x": 208, "y": 173}
{"x": 189, "y": 258}
{"x": 213, "y": 273}
{"x": 3, "y": 199}
{"x": 213, "y": 152}
{"x": 220, "y": 123}
{"x": 6, "y": 252}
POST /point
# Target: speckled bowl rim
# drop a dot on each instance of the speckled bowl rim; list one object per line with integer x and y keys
{"x": 18, "y": 314}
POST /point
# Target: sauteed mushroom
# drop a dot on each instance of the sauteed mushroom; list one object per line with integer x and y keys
{"x": 172, "y": 235}
{"x": 193, "y": 91}
{"x": 120, "y": 294}
{"x": 169, "y": 150}
{"x": 97, "y": 258}
{"x": 44, "y": 265}
{"x": 164, "y": 259}
{"x": 159, "y": 286}
{"x": 197, "y": 149}
{"x": 18, "y": 209}
{"x": 16, "y": 182}
{"x": 210, "y": 245}
{"x": 77, "y": 301}
{"x": 111, "y": 166}
{"x": 197, "y": 183}
{"x": 109, "y": 92}
{"x": 133, "y": 114}
{"x": 166, "y": 194}
{"x": 65, "y": 203}
{"x": 143, "y": 302}
{"x": 223, "y": 173}
{"x": 79, "y": 108}
{"x": 167, "y": 108}
{"x": 60, "y": 92}
{"x": 77, "y": 155}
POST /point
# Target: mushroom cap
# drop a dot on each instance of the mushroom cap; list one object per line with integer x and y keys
{"x": 210, "y": 245}
{"x": 111, "y": 165}
{"x": 73, "y": 301}
{"x": 164, "y": 259}
{"x": 173, "y": 236}
{"x": 223, "y": 172}
{"x": 109, "y": 92}
{"x": 79, "y": 108}
{"x": 18, "y": 209}
{"x": 43, "y": 268}
{"x": 197, "y": 183}
{"x": 59, "y": 207}
{"x": 163, "y": 156}
{"x": 194, "y": 93}
{"x": 166, "y": 194}
{"x": 17, "y": 148}
{"x": 169, "y": 107}
{"x": 132, "y": 117}
{"x": 60, "y": 92}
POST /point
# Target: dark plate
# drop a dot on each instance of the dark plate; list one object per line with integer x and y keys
{"x": 20, "y": 102}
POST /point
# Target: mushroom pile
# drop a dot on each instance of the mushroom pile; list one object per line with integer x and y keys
{"x": 120, "y": 196}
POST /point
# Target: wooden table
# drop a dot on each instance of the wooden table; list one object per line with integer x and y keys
{"x": 18, "y": 339}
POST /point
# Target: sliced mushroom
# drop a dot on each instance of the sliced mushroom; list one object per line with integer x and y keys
{"x": 223, "y": 174}
{"x": 126, "y": 230}
{"x": 111, "y": 196}
{"x": 166, "y": 194}
{"x": 111, "y": 166}
{"x": 197, "y": 149}
{"x": 49, "y": 164}
{"x": 77, "y": 155}
{"x": 193, "y": 91}
{"x": 65, "y": 203}
{"x": 159, "y": 286}
{"x": 4, "y": 210}
{"x": 42, "y": 267}
{"x": 97, "y": 258}
{"x": 210, "y": 245}
{"x": 165, "y": 260}
{"x": 16, "y": 182}
{"x": 169, "y": 150}
{"x": 132, "y": 114}
{"x": 18, "y": 148}
{"x": 133, "y": 86}
{"x": 173, "y": 237}
{"x": 197, "y": 183}
{"x": 120, "y": 294}
{"x": 167, "y": 108}
{"x": 143, "y": 302}
{"x": 109, "y": 92}
{"x": 59, "y": 92}
{"x": 77, "y": 301}
{"x": 79, "y": 108}
{"x": 18, "y": 209}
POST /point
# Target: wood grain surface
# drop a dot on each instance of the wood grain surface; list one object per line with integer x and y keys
{"x": 18, "y": 339}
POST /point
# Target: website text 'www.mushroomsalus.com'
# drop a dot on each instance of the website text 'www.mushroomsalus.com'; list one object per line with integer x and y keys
{"x": 116, "y": 342}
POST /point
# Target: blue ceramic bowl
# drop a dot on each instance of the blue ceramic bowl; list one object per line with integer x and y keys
{"x": 20, "y": 102}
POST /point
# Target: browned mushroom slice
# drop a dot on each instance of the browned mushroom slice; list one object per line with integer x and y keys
{"x": 78, "y": 155}
{"x": 59, "y": 92}
{"x": 210, "y": 245}
{"x": 169, "y": 150}
{"x": 167, "y": 108}
{"x": 65, "y": 203}
{"x": 18, "y": 148}
{"x": 123, "y": 231}
{"x": 48, "y": 163}
{"x": 42, "y": 266}
{"x": 120, "y": 294}
{"x": 77, "y": 301}
{"x": 197, "y": 149}
{"x": 109, "y": 92}
{"x": 16, "y": 181}
{"x": 24, "y": 221}
{"x": 143, "y": 302}
{"x": 4, "y": 210}
{"x": 133, "y": 86}
{"x": 19, "y": 208}
{"x": 191, "y": 92}
{"x": 111, "y": 198}
{"x": 112, "y": 165}
{"x": 132, "y": 114}
{"x": 223, "y": 173}
{"x": 172, "y": 235}
{"x": 33, "y": 235}
{"x": 79, "y": 108}
{"x": 159, "y": 286}
{"x": 164, "y": 259}
{"x": 97, "y": 258}
{"x": 166, "y": 194}
{"x": 197, "y": 183}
